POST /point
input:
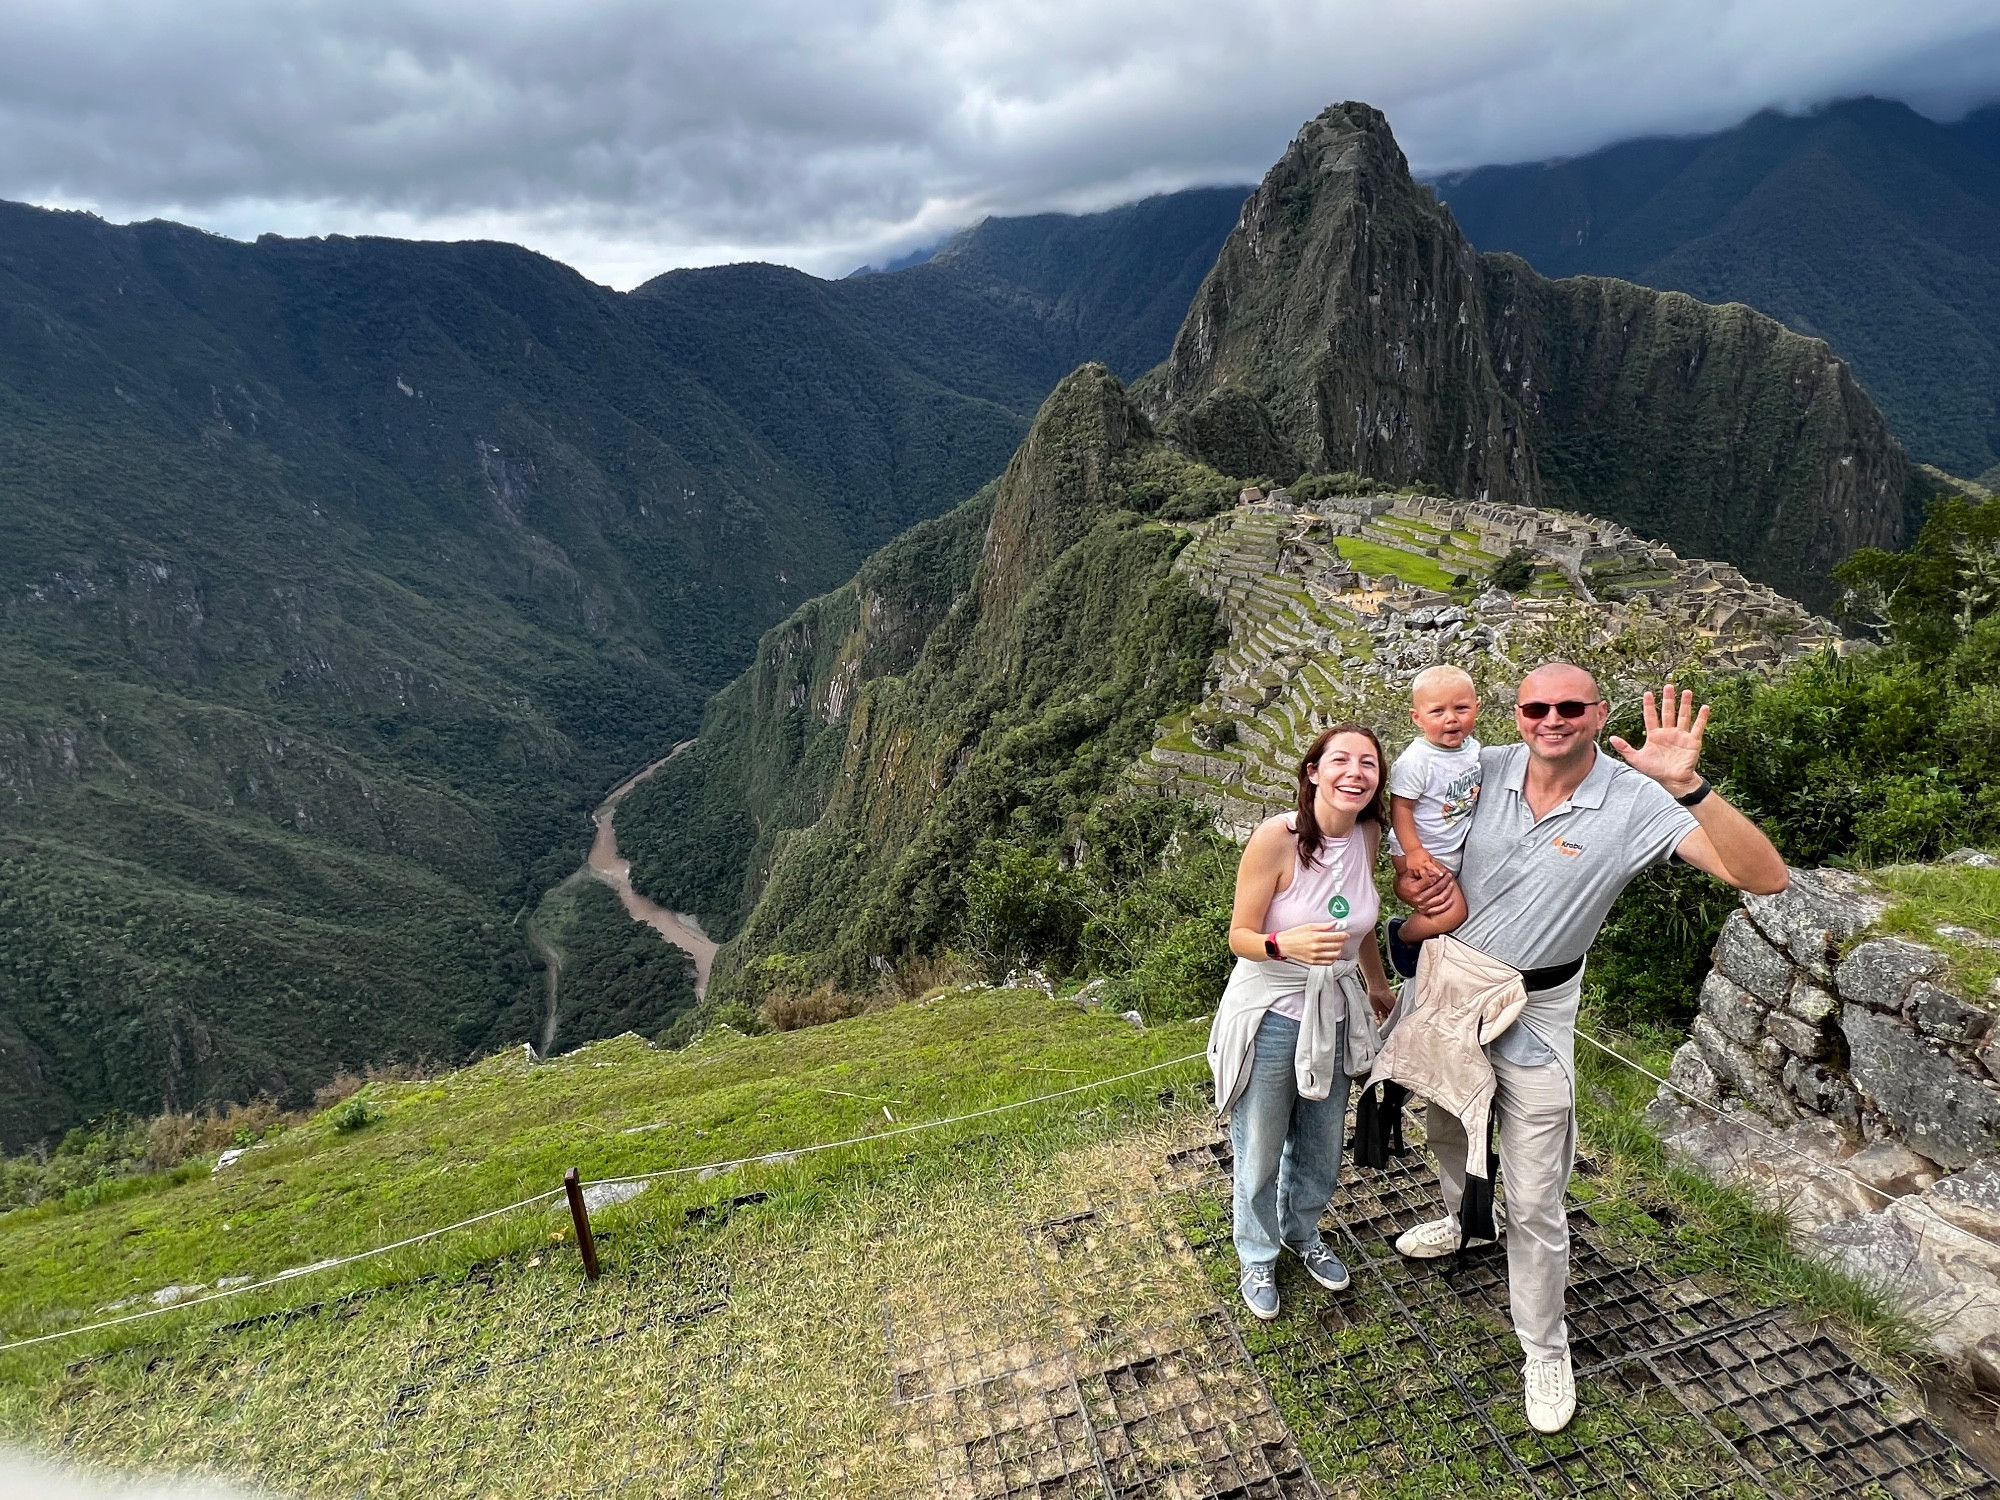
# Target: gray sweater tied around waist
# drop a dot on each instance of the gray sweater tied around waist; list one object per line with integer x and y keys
{"x": 1335, "y": 993}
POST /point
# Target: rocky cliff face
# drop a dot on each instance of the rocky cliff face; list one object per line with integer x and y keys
{"x": 1348, "y": 324}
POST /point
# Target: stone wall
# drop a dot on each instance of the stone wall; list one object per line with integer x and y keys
{"x": 1841, "y": 1079}
{"x": 1797, "y": 1019}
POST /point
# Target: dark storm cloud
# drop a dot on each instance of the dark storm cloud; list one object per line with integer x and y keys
{"x": 627, "y": 137}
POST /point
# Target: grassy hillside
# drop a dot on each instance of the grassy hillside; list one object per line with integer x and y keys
{"x": 319, "y": 557}
{"x": 901, "y": 1317}
{"x": 1862, "y": 223}
{"x": 434, "y": 1152}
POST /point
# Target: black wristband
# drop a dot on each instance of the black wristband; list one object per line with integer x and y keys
{"x": 1696, "y": 795}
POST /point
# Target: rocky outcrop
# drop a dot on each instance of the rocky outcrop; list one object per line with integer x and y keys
{"x": 1869, "y": 1040}
{"x": 1835, "y": 1074}
{"x": 1349, "y": 325}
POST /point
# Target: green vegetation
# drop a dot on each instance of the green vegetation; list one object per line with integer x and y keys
{"x": 1514, "y": 572}
{"x": 438, "y": 1150}
{"x": 342, "y": 577}
{"x": 1377, "y": 559}
{"x": 979, "y": 687}
{"x": 1862, "y": 223}
{"x": 615, "y": 975}
{"x": 1893, "y": 754}
{"x": 793, "y": 1322}
{"x": 1953, "y": 907}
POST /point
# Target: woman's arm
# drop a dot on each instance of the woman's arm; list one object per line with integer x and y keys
{"x": 1264, "y": 861}
{"x": 1380, "y": 994}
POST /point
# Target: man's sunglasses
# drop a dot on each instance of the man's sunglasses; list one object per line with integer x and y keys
{"x": 1569, "y": 708}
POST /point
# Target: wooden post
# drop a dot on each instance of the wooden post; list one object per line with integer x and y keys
{"x": 585, "y": 1241}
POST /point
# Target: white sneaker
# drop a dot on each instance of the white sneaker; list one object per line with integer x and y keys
{"x": 1430, "y": 1240}
{"x": 1550, "y": 1389}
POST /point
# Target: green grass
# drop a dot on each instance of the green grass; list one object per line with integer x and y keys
{"x": 473, "y": 1140}
{"x": 1376, "y": 558}
{"x": 743, "y": 1346}
{"x": 1936, "y": 896}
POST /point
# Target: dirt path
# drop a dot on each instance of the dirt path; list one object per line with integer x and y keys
{"x": 681, "y": 929}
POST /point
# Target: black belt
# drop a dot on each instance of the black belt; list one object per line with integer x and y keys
{"x": 1553, "y": 975}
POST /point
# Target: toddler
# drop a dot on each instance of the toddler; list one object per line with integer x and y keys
{"x": 1433, "y": 788}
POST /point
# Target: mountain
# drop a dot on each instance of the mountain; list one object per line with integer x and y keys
{"x": 978, "y": 693}
{"x": 339, "y": 577}
{"x": 1862, "y": 223}
{"x": 1349, "y": 325}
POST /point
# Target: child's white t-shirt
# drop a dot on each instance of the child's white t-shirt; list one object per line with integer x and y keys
{"x": 1445, "y": 786}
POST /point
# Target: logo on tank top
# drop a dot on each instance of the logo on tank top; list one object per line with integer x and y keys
{"x": 1338, "y": 906}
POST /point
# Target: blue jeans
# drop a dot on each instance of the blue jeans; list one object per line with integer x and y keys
{"x": 1287, "y": 1148}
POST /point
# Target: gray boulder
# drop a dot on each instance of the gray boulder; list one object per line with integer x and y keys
{"x": 1809, "y": 1002}
{"x": 1692, "y": 1073}
{"x": 1737, "y": 1013}
{"x": 1935, "y": 1106}
{"x": 1738, "y": 1067}
{"x": 1892, "y": 1169}
{"x": 1822, "y": 1092}
{"x": 1800, "y": 1038}
{"x": 1941, "y": 1014}
{"x": 1815, "y": 915}
{"x": 1881, "y": 972}
{"x": 1970, "y": 1199}
{"x": 1747, "y": 960}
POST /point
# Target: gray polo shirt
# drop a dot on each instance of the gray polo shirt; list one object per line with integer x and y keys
{"x": 1537, "y": 891}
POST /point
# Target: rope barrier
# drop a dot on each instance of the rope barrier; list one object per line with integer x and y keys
{"x": 770, "y": 1157}
{"x": 779, "y": 1157}
{"x": 270, "y": 1281}
{"x": 1747, "y": 1129}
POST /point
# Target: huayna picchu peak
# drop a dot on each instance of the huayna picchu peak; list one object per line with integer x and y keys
{"x": 1349, "y": 325}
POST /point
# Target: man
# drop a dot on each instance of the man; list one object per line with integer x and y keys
{"x": 1561, "y": 829}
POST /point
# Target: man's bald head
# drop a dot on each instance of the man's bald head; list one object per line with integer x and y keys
{"x": 1554, "y": 681}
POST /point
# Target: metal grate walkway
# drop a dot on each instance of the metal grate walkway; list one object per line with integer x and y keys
{"x": 1406, "y": 1385}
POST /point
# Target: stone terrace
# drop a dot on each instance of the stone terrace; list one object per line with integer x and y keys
{"x": 1324, "y": 598}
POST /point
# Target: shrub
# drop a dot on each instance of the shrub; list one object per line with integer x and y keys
{"x": 1514, "y": 572}
{"x": 353, "y": 1115}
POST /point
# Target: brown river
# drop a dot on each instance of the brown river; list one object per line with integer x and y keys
{"x": 608, "y": 865}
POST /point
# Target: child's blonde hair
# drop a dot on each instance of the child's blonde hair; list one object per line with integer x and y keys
{"x": 1443, "y": 675}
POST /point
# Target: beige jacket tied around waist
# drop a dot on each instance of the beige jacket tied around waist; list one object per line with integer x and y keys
{"x": 1437, "y": 1045}
{"x": 1334, "y": 993}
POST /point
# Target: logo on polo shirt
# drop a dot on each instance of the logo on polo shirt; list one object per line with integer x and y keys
{"x": 1565, "y": 848}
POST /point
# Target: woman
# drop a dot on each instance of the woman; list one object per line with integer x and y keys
{"x": 1298, "y": 1017}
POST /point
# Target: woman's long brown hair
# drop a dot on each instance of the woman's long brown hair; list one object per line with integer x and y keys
{"x": 1309, "y": 834}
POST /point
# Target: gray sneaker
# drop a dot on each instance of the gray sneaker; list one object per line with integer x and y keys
{"x": 1259, "y": 1285}
{"x": 1322, "y": 1265}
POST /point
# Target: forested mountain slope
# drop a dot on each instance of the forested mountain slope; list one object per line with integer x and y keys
{"x": 337, "y": 578}
{"x": 1862, "y": 223}
{"x": 984, "y": 680}
{"x": 1348, "y": 324}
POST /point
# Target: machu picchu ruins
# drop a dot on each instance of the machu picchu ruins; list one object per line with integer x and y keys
{"x": 1333, "y": 600}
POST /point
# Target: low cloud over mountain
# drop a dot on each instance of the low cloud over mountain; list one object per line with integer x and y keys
{"x": 627, "y": 138}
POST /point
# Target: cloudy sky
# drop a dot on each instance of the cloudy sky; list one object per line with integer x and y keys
{"x": 630, "y": 136}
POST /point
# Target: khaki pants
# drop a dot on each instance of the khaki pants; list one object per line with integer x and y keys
{"x": 1537, "y": 1118}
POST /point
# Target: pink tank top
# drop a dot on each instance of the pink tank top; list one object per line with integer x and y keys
{"x": 1339, "y": 888}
